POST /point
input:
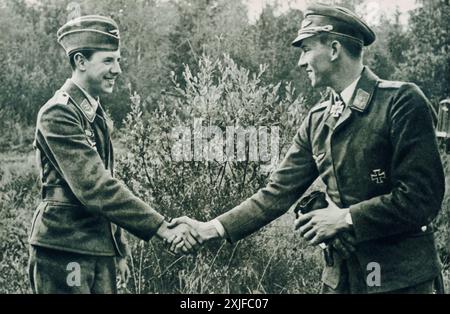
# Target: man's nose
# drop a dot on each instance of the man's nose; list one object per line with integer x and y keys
{"x": 301, "y": 60}
{"x": 116, "y": 68}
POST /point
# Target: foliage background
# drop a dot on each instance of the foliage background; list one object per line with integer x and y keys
{"x": 184, "y": 60}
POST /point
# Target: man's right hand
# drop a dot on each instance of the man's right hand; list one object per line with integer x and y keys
{"x": 180, "y": 237}
{"x": 344, "y": 244}
{"x": 200, "y": 231}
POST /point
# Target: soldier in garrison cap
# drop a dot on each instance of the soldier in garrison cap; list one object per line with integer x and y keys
{"x": 373, "y": 145}
{"x": 76, "y": 234}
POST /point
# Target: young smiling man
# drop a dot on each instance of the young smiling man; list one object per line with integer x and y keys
{"x": 76, "y": 233}
{"x": 373, "y": 145}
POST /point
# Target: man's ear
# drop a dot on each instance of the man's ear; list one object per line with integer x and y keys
{"x": 336, "y": 50}
{"x": 80, "y": 61}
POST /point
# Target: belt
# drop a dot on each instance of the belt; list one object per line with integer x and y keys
{"x": 59, "y": 194}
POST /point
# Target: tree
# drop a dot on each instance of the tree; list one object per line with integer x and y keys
{"x": 427, "y": 62}
{"x": 387, "y": 53}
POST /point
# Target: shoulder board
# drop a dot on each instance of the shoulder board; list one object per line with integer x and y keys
{"x": 390, "y": 84}
{"x": 320, "y": 106}
{"x": 60, "y": 97}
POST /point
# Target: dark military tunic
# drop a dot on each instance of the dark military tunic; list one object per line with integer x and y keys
{"x": 381, "y": 160}
{"x": 82, "y": 202}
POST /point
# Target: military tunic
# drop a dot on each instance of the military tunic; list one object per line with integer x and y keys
{"x": 83, "y": 206}
{"x": 379, "y": 159}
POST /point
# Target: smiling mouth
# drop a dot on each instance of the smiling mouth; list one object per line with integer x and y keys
{"x": 110, "y": 80}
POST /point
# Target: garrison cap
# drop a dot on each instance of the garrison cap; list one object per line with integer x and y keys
{"x": 321, "y": 18}
{"x": 93, "y": 32}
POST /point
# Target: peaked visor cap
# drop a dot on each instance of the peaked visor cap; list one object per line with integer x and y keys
{"x": 336, "y": 20}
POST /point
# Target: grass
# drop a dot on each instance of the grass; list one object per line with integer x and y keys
{"x": 274, "y": 260}
{"x": 264, "y": 263}
{"x": 18, "y": 198}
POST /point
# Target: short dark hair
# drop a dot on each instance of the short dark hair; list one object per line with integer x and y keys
{"x": 353, "y": 48}
{"x": 87, "y": 53}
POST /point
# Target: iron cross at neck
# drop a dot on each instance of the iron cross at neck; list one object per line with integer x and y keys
{"x": 338, "y": 106}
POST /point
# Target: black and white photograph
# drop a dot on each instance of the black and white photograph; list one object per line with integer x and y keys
{"x": 243, "y": 148}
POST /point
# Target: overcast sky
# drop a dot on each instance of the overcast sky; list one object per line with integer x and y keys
{"x": 376, "y": 7}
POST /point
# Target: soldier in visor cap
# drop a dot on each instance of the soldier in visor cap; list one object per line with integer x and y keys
{"x": 373, "y": 144}
{"x": 76, "y": 234}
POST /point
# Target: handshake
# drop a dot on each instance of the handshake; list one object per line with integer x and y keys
{"x": 319, "y": 220}
{"x": 186, "y": 235}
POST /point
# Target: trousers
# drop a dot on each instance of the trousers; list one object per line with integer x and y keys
{"x": 60, "y": 272}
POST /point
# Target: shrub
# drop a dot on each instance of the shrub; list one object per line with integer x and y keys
{"x": 221, "y": 94}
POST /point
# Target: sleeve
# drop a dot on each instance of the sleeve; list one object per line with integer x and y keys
{"x": 292, "y": 178}
{"x": 61, "y": 136}
{"x": 417, "y": 174}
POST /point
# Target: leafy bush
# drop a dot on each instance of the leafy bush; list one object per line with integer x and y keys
{"x": 221, "y": 94}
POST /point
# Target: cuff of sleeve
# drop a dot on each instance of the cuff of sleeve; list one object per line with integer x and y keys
{"x": 348, "y": 219}
{"x": 219, "y": 227}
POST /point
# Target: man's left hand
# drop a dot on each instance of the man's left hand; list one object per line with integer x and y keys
{"x": 124, "y": 272}
{"x": 322, "y": 224}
